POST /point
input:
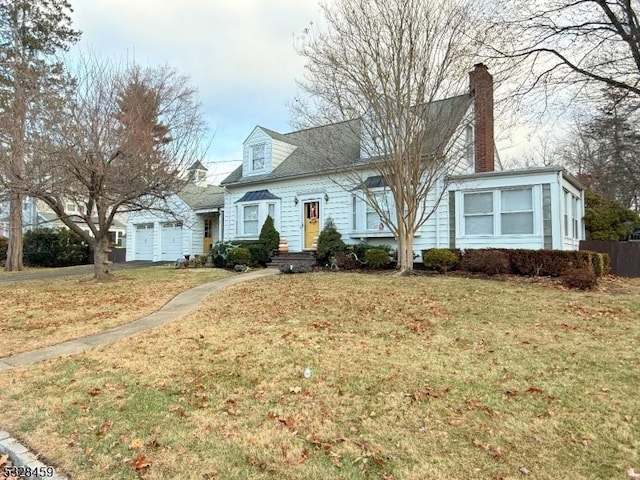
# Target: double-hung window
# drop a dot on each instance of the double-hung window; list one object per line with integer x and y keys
{"x": 478, "y": 213}
{"x": 366, "y": 219}
{"x": 374, "y": 220}
{"x": 499, "y": 212}
{"x": 250, "y": 219}
{"x": 257, "y": 157}
{"x": 516, "y": 207}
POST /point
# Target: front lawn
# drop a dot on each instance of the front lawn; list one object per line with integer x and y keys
{"x": 39, "y": 313}
{"x": 412, "y": 378}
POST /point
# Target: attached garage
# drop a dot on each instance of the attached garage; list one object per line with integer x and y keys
{"x": 144, "y": 241}
{"x": 171, "y": 241}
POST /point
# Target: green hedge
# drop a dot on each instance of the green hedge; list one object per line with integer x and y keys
{"x": 46, "y": 247}
{"x": 552, "y": 263}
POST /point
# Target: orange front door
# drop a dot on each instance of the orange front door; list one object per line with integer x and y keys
{"x": 311, "y": 212}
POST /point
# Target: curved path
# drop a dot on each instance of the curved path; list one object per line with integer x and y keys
{"x": 182, "y": 304}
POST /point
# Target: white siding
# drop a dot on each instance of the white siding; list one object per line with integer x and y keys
{"x": 280, "y": 151}
{"x": 192, "y": 228}
{"x": 534, "y": 241}
{"x": 434, "y": 233}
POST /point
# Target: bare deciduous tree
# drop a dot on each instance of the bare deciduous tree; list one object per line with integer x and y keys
{"x": 603, "y": 151}
{"x": 569, "y": 42}
{"x": 388, "y": 62}
{"x": 124, "y": 142}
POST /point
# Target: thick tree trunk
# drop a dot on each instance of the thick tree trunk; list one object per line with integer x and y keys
{"x": 101, "y": 263}
{"x": 405, "y": 253}
{"x": 14, "y": 248}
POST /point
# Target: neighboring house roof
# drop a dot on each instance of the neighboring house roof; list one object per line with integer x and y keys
{"x": 201, "y": 198}
{"x": 315, "y": 145}
{"x": 197, "y": 166}
{"x": 257, "y": 195}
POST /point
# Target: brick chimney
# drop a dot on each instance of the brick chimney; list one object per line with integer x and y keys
{"x": 481, "y": 85}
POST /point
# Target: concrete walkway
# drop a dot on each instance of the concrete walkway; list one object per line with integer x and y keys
{"x": 182, "y": 304}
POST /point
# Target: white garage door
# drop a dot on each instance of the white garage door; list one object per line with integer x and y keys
{"x": 144, "y": 242}
{"x": 171, "y": 241}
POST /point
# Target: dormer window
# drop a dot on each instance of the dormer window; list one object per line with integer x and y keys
{"x": 257, "y": 157}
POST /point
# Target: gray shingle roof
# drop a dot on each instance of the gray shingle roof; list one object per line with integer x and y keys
{"x": 199, "y": 198}
{"x": 197, "y": 165}
{"x": 336, "y": 146}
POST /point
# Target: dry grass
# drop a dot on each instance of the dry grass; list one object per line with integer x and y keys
{"x": 413, "y": 378}
{"x": 38, "y": 313}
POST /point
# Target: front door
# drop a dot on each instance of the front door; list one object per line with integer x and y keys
{"x": 311, "y": 213}
{"x": 207, "y": 241}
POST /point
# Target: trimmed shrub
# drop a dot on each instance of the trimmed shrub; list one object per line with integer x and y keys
{"x": 440, "y": 259}
{"x": 376, "y": 258}
{"x": 259, "y": 254}
{"x": 579, "y": 278}
{"x": 329, "y": 242}
{"x": 220, "y": 253}
{"x": 606, "y": 261}
{"x": 491, "y": 262}
{"x": 269, "y": 236}
{"x": 46, "y": 247}
{"x": 238, "y": 256}
{"x": 361, "y": 248}
{"x": 597, "y": 264}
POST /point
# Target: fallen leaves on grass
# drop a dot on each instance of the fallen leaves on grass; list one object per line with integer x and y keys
{"x": 140, "y": 462}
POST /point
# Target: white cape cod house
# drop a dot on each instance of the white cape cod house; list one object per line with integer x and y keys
{"x": 281, "y": 175}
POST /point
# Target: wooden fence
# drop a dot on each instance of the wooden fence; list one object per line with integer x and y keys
{"x": 625, "y": 256}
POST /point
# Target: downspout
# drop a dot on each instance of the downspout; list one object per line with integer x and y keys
{"x": 437, "y": 212}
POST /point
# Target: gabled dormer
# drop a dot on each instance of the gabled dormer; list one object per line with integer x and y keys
{"x": 263, "y": 151}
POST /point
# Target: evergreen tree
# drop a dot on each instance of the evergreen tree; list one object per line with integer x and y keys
{"x": 32, "y": 83}
{"x": 607, "y": 219}
{"x": 330, "y": 241}
{"x": 269, "y": 236}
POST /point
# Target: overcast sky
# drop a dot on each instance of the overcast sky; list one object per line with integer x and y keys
{"x": 239, "y": 55}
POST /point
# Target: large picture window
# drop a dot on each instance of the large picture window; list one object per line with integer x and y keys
{"x": 499, "y": 212}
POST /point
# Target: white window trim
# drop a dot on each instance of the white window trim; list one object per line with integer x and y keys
{"x": 497, "y": 212}
{"x": 491, "y": 214}
{"x": 362, "y": 208}
{"x": 263, "y": 211}
{"x": 572, "y": 223}
{"x": 252, "y": 149}
{"x": 532, "y": 210}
